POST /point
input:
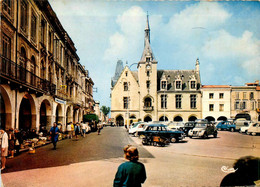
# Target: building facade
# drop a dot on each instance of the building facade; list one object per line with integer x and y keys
{"x": 42, "y": 80}
{"x": 245, "y": 100}
{"x": 216, "y": 102}
{"x": 149, "y": 94}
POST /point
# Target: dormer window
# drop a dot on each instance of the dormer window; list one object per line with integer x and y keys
{"x": 178, "y": 85}
{"x": 163, "y": 85}
{"x": 193, "y": 84}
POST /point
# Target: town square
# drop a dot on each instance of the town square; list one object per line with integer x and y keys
{"x": 129, "y": 93}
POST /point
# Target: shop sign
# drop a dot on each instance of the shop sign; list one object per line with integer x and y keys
{"x": 60, "y": 101}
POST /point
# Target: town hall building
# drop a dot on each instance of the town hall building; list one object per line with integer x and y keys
{"x": 149, "y": 94}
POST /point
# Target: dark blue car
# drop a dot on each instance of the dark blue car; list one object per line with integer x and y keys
{"x": 163, "y": 131}
{"x": 226, "y": 125}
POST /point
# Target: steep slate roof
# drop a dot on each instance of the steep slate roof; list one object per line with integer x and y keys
{"x": 171, "y": 77}
{"x": 135, "y": 74}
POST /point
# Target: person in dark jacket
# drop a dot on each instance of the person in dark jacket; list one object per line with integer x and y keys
{"x": 247, "y": 172}
{"x": 54, "y": 132}
{"x": 131, "y": 173}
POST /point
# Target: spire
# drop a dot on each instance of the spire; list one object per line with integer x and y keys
{"x": 197, "y": 66}
{"x": 147, "y": 30}
{"x": 147, "y": 53}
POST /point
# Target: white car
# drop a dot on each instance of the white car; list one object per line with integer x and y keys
{"x": 176, "y": 126}
{"x": 244, "y": 129}
{"x": 138, "y": 127}
{"x": 254, "y": 129}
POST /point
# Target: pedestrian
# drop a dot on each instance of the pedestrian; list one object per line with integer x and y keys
{"x": 83, "y": 129}
{"x": 11, "y": 138}
{"x": 72, "y": 129}
{"x": 132, "y": 172}
{"x": 77, "y": 130}
{"x": 54, "y": 132}
{"x": 4, "y": 147}
{"x": 99, "y": 127}
{"x": 69, "y": 130}
{"x": 18, "y": 141}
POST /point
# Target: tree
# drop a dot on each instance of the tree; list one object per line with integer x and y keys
{"x": 105, "y": 110}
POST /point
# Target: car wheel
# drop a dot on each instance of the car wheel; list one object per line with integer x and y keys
{"x": 247, "y": 132}
{"x": 173, "y": 140}
{"x": 219, "y": 129}
{"x": 190, "y": 136}
{"x": 205, "y": 136}
{"x": 215, "y": 135}
{"x": 253, "y": 133}
{"x": 232, "y": 129}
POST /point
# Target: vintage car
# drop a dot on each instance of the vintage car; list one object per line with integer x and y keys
{"x": 162, "y": 131}
{"x": 136, "y": 128}
{"x": 176, "y": 126}
{"x": 188, "y": 126}
{"x": 226, "y": 125}
{"x": 203, "y": 130}
{"x": 254, "y": 129}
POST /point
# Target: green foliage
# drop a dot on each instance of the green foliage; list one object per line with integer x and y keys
{"x": 105, "y": 110}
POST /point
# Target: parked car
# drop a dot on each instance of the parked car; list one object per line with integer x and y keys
{"x": 244, "y": 129}
{"x": 241, "y": 122}
{"x": 176, "y": 126}
{"x": 203, "y": 130}
{"x": 254, "y": 129}
{"x": 135, "y": 129}
{"x": 201, "y": 120}
{"x": 188, "y": 126}
{"x": 226, "y": 125}
{"x": 163, "y": 131}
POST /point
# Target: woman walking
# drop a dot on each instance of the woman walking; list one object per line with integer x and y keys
{"x": 54, "y": 135}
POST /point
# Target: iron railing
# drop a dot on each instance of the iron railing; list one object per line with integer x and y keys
{"x": 13, "y": 71}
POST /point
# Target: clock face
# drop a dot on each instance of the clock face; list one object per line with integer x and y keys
{"x": 148, "y": 66}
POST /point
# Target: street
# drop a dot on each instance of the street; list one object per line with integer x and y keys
{"x": 93, "y": 161}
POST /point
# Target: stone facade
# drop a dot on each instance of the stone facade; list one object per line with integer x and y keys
{"x": 216, "y": 102}
{"x": 149, "y": 94}
{"x": 42, "y": 80}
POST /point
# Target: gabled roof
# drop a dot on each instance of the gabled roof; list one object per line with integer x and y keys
{"x": 171, "y": 76}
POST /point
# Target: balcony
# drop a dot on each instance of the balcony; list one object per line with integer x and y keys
{"x": 148, "y": 108}
{"x": 15, "y": 73}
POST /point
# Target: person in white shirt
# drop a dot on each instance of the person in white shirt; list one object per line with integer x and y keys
{"x": 69, "y": 129}
{"x": 83, "y": 128}
{"x": 4, "y": 147}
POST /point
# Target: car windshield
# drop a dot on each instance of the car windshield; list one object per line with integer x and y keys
{"x": 201, "y": 125}
{"x": 134, "y": 125}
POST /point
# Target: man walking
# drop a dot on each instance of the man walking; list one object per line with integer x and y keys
{"x": 4, "y": 147}
{"x": 54, "y": 135}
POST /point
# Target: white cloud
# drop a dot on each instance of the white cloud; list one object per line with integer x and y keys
{"x": 203, "y": 15}
{"x": 225, "y": 45}
{"x": 127, "y": 42}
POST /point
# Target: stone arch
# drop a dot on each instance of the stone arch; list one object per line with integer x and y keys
{"x": 45, "y": 114}
{"x": 58, "y": 113}
{"x": 162, "y": 118}
{"x": 6, "y": 119}
{"x": 68, "y": 114}
{"x": 192, "y": 118}
{"x": 132, "y": 118}
{"x": 210, "y": 118}
{"x": 27, "y": 113}
{"x": 178, "y": 118}
{"x": 147, "y": 118}
{"x": 120, "y": 120}
{"x": 222, "y": 118}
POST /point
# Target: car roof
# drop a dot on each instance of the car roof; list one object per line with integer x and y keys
{"x": 157, "y": 125}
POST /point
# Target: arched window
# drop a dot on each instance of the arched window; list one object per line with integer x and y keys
{"x": 33, "y": 70}
{"x": 42, "y": 70}
{"x": 148, "y": 102}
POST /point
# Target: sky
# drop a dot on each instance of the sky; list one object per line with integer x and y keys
{"x": 223, "y": 35}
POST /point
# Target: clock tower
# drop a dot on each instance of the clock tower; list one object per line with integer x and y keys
{"x": 147, "y": 76}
